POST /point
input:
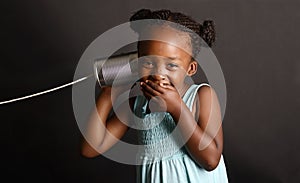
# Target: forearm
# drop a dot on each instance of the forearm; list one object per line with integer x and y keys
{"x": 95, "y": 130}
{"x": 201, "y": 146}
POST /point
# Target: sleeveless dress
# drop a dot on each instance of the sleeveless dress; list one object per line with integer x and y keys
{"x": 163, "y": 157}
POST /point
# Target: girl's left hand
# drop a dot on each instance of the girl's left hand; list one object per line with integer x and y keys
{"x": 163, "y": 98}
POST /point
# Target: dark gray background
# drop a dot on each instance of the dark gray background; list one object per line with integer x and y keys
{"x": 257, "y": 47}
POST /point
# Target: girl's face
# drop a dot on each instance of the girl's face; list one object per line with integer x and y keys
{"x": 165, "y": 62}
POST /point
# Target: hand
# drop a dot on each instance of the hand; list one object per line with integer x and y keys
{"x": 163, "y": 98}
{"x": 113, "y": 92}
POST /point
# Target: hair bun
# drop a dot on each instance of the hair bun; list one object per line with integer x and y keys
{"x": 207, "y": 32}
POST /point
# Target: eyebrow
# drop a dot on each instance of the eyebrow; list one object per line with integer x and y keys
{"x": 172, "y": 58}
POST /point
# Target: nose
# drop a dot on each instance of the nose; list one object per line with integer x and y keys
{"x": 160, "y": 79}
{"x": 158, "y": 72}
{"x": 157, "y": 77}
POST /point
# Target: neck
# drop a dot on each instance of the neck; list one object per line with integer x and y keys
{"x": 183, "y": 89}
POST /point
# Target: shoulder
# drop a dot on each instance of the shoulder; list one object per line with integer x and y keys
{"x": 207, "y": 95}
{"x": 205, "y": 90}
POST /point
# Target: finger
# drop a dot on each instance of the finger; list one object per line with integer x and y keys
{"x": 155, "y": 86}
{"x": 163, "y": 85}
{"x": 170, "y": 87}
{"x": 147, "y": 87}
{"x": 147, "y": 94}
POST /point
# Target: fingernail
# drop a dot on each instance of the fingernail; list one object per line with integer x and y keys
{"x": 147, "y": 81}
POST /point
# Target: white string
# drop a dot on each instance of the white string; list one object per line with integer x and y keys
{"x": 44, "y": 92}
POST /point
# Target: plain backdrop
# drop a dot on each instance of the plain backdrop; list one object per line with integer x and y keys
{"x": 257, "y": 47}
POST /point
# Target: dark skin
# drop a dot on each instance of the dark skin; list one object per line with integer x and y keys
{"x": 162, "y": 82}
{"x": 205, "y": 141}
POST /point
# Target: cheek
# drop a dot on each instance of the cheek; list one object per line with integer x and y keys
{"x": 143, "y": 73}
{"x": 177, "y": 77}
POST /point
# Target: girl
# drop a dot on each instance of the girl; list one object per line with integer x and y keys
{"x": 194, "y": 153}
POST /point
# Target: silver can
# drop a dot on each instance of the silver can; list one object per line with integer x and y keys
{"x": 116, "y": 70}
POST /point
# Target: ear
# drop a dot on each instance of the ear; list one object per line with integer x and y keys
{"x": 192, "y": 68}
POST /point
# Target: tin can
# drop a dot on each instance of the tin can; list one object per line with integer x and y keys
{"x": 116, "y": 70}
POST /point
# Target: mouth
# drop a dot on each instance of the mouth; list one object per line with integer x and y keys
{"x": 162, "y": 82}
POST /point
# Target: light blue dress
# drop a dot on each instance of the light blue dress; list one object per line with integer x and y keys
{"x": 163, "y": 158}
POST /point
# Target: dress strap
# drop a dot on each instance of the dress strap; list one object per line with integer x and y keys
{"x": 190, "y": 95}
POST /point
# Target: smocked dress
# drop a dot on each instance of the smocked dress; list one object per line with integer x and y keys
{"x": 162, "y": 157}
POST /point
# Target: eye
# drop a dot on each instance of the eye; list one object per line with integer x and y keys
{"x": 172, "y": 66}
{"x": 147, "y": 63}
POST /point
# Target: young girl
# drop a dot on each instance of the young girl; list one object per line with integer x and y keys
{"x": 168, "y": 101}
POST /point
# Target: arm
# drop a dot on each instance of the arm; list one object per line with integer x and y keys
{"x": 205, "y": 138}
{"x": 102, "y": 133}
{"x": 206, "y": 141}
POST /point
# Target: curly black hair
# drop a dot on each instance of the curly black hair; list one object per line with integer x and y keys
{"x": 206, "y": 30}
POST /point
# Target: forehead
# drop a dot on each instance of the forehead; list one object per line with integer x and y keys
{"x": 163, "y": 49}
{"x": 167, "y": 36}
{"x": 164, "y": 52}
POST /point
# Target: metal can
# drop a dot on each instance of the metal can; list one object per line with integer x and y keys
{"x": 116, "y": 70}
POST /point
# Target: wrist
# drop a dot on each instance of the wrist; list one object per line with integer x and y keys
{"x": 175, "y": 110}
{"x": 106, "y": 91}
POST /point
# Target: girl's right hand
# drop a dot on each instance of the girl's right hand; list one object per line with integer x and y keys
{"x": 114, "y": 92}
